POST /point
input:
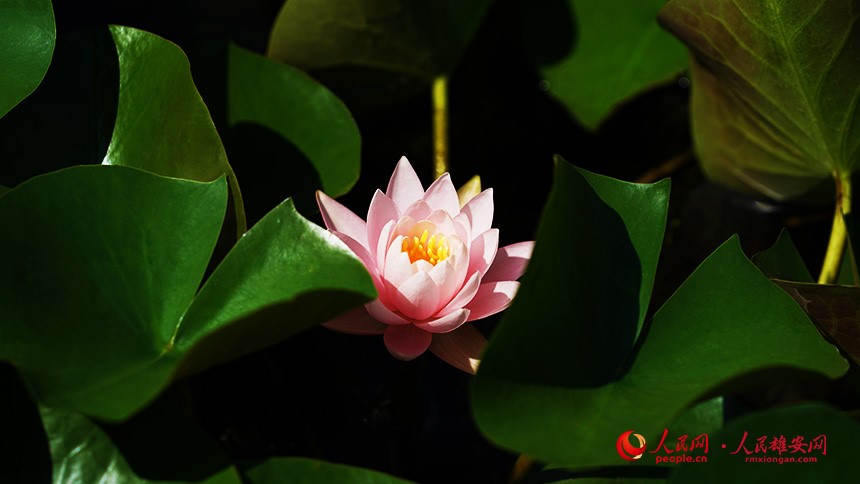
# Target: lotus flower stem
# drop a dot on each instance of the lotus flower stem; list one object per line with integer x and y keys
{"x": 838, "y": 233}
{"x": 440, "y": 126}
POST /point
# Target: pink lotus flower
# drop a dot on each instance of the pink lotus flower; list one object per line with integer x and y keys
{"x": 435, "y": 264}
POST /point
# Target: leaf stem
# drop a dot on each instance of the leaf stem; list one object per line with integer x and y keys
{"x": 666, "y": 168}
{"x": 838, "y": 232}
{"x": 440, "y": 126}
{"x": 522, "y": 466}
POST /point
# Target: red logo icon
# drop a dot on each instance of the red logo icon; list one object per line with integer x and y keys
{"x": 626, "y": 450}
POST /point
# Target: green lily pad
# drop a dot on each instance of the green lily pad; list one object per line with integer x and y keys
{"x": 27, "y": 36}
{"x": 309, "y": 471}
{"x": 775, "y": 90}
{"x": 285, "y": 275}
{"x": 704, "y": 417}
{"x": 567, "y": 403}
{"x": 401, "y": 36}
{"x": 615, "y": 50}
{"x": 783, "y": 261}
{"x": 620, "y": 258}
{"x": 98, "y": 285}
{"x": 100, "y": 300}
{"x": 301, "y": 110}
{"x": 3, "y": 189}
{"x": 162, "y": 125}
{"x": 807, "y": 421}
{"x": 373, "y": 51}
{"x": 82, "y": 452}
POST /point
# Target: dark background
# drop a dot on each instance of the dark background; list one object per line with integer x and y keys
{"x": 339, "y": 397}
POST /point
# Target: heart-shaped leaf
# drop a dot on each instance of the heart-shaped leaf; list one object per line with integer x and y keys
{"x": 286, "y": 274}
{"x": 96, "y": 296}
{"x": 399, "y": 36}
{"x": 308, "y": 471}
{"x": 301, "y": 110}
{"x": 373, "y": 51}
{"x": 162, "y": 125}
{"x": 602, "y": 259}
{"x": 27, "y": 36}
{"x": 97, "y": 286}
{"x": 800, "y": 426}
{"x": 614, "y": 50}
{"x": 775, "y": 91}
{"x": 580, "y": 387}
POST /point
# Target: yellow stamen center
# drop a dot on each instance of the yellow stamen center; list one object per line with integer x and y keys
{"x": 430, "y": 248}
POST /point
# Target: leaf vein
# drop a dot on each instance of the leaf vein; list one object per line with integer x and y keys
{"x": 831, "y": 62}
{"x": 796, "y": 73}
{"x": 845, "y": 126}
{"x": 805, "y": 22}
{"x": 777, "y": 106}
